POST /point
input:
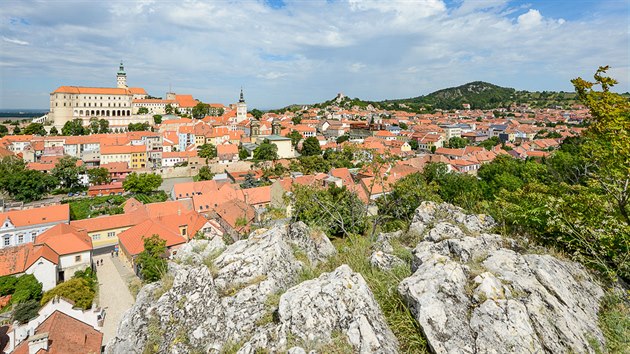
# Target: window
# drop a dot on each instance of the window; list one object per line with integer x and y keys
{"x": 77, "y": 258}
{"x": 7, "y": 241}
{"x": 96, "y": 236}
{"x": 111, "y": 234}
{"x": 20, "y": 239}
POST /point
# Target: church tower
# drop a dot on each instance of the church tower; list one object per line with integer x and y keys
{"x": 241, "y": 109}
{"x": 121, "y": 78}
{"x": 275, "y": 127}
{"x": 254, "y": 128}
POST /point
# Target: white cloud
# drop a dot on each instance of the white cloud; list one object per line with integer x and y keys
{"x": 531, "y": 18}
{"x": 14, "y": 41}
{"x": 356, "y": 67}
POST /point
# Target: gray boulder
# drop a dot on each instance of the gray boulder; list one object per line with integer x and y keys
{"x": 473, "y": 292}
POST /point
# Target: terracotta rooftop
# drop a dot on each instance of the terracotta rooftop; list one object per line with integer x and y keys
{"x": 36, "y": 216}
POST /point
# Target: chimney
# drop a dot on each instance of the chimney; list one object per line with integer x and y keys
{"x": 37, "y": 343}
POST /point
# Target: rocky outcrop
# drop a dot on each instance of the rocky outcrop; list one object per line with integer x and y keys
{"x": 224, "y": 298}
{"x": 472, "y": 292}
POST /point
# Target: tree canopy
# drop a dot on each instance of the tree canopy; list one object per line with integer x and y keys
{"x": 311, "y": 147}
{"x": 74, "y": 127}
{"x": 142, "y": 182}
{"x": 35, "y": 129}
{"x": 67, "y": 172}
{"x": 266, "y": 151}
{"x": 151, "y": 260}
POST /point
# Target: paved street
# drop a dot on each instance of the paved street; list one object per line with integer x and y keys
{"x": 114, "y": 295}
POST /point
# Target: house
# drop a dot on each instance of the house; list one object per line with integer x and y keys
{"x": 227, "y": 153}
{"x": 23, "y": 226}
{"x": 72, "y": 246}
{"x": 61, "y": 333}
{"x": 39, "y": 260}
{"x": 106, "y": 189}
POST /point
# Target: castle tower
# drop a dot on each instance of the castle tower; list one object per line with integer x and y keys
{"x": 241, "y": 109}
{"x": 121, "y": 77}
{"x": 275, "y": 127}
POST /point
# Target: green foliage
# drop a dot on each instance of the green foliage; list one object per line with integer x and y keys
{"x": 614, "y": 320}
{"x": 311, "y": 147}
{"x": 266, "y": 151}
{"x": 22, "y": 184}
{"x": 242, "y": 153}
{"x": 296, "y": 120}
{"x": 207, "y": 151}
{"x": 403, "y": 126}
{"x": 295, "y": 137}
{"x": 151, "y": 262}
{"x": 142, "y": 182}
{"x": 7, "y": 285}
{"x": 457, "y": 142}
{"x": 3, "y": 130}
{"x": 336, "y": 211}
{"x": 53, "y": 131}
{"x": 200, "y": 110}
{"x": 138, "y": 127}
{"x": 67, "y": 172}
{"x": 143, "y": 110}
{"x": 205, "y": 174}
{"x": 25, "y": 311}
{"x": 343, "y": 138}
{"x": 74, "y": 127}
{"x": 169, "y": 109}
{"x": 157, "y": 119}
{"x": 27, "y": 288}
{"x": 414, "y": 144}
{"x": 489, "y": 143}
{"x": 77, "y": 290}
{"x": 99, "y": 175}
{"x": 256, "y": 113}
{"x": 35, "y": 129}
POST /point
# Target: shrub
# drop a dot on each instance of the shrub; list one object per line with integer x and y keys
{"x": 25, "y": 311}
{"x": 76, "y": 290}
{"x": 26, "y": 288}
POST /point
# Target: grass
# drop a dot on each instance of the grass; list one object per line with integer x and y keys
{"x": 355, "y": 251}
{"x": 233, "y": 289}
{"x": 166, "y": 283}
{"x": 108, "y": 205}
{"x": 614, "y": 320}
{"x": 209, "y": 262}
{"x": 154, "y": 336}
{"x": 134, "y": 286}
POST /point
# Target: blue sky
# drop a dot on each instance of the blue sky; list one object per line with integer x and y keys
{"x": 283, "y": 51}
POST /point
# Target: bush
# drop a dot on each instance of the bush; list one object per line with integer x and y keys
{"x": 25, "y": 311}
{"x": 77, "y": 290}
{"x": 7, "y": 285}
{"x": 26, "y": 288}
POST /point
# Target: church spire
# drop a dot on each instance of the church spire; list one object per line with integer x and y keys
{"x": 241, "y": 99}
{"x": 121, "y": 69}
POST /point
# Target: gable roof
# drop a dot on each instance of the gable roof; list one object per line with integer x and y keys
{"x": 17, "y": 259}
{"x": 65, "y": 239}
{"x": 66, "y": 335}
{"x": 37, "y": 216}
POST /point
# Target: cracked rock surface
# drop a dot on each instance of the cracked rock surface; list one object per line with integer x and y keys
{"x": 471, "y": 292}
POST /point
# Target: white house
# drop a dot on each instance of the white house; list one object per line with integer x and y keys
{"x": 23, "y": 226}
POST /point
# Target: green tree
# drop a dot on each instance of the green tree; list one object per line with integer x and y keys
{"x": 103, "y": 126}
{"x": 67, "y": 172}
{"x": 143, "y": 110}
{"x": 256, "y": 113}
{"x": 169, "y": 109}
{"x": 7, "y": 285}
{"x": 138, "y": 127}
{"x": 151, "y": 261}
{"x": 17, "y": 131}
{"x": 457, "y": 142}
{"x": 99, "y": 175}
{"x": 403, "y": 125}
{"x": 74, "y": 127}
{"x": 489, "y": 143}
{"x": 414, "y": 144}
{"x": 3, "y": 130}
{"x": 205, "y": 174}
{"x": 312, "y": 164}
{"x": 343, "y": 138}
{"x": 200, "y": 110}
{"x": 242, "y": 153}
{"x": 94, "y": 126}
{"x": 28, "y": 185}
{"x": 54, "y": 131}
{"x": 27, "y": 288}
{"x": 157, "y": 119}
{"x": 142, "y": 182}
{"x": 77, "y": 290}
{"x": 250, "y": 181}
{"x": 311, "y": 147}
{"x": 266, "y": 151}
{"x": 295, "y": 137}
{"x": 25, "y": 311}
{"x": 296, "y": 119}
{"x": 207, "y": 151}
{"x": 35, "y": 129}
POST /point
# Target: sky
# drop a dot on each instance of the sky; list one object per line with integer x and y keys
{"x": 285, "y": 52}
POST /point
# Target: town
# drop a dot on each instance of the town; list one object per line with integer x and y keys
{"x": 109, "y": 171}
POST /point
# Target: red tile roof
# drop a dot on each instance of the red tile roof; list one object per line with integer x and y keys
{"x": 65, "y": 239}
{"x": 17, "y": 259}
{"x": 36, "y": 216}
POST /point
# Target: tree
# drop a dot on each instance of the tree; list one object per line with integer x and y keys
{"x": 143, "y": 110}
{"x": 94, "y": 126}
{"x": 35, "y": 129}
{"x": 74, "y": 127}
{"x": 256, "y": 113}
{"x": 242, "y": 153}
{"x": 25, "y": 311}
{"x": 403, "y": 125}
{"x": 142, "y": 183}
{"x": 343, "y": 138}
{"x": 295, "y": 137}
{"x": 151, "y": 261}
{"x": 168, "y": 109}
{"x": 205, "y": 174}
{"x": 200, "y": 110}
{"x": 54, "y": 131}
{"x": 250, "y": 181}
{"x": 138, "y": 127}
{"x": 67, "y": 172}
{"x": 457, "y": 142}
{"x": 77, "y": 289}
{"x": 266, "y": 151}
{"x": 103, "y": 126}
{"x": 7, "y": 285}
{"x": 27, "y": 185}
{"x": 157, "y": 119}
{"x": 27, "y": 288}
{"x": 3, "y": 130}
{"x": 207, "y": 151}
{"x": 17, "y": 131}
{"x": 296, "y": 119}
{"x": 414, "y": 144}
{"x": 489, "y": 143}
{"x": 98, "y": 176}
{"x": 311, "y": 147}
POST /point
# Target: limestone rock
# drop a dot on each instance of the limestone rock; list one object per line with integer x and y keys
{"x": 474, "y": 292}
{"x": 385, "y": 261}
{"x": 316, "y": 244}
